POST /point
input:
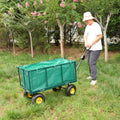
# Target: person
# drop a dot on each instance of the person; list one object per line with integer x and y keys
{"x": 92, "y": 37}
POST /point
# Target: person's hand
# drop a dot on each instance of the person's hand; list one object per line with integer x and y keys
{"x": 86, "y": 45}
{"x": 90, "y": 44}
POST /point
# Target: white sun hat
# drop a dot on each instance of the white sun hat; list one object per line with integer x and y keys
{"x": 87, "y": 16}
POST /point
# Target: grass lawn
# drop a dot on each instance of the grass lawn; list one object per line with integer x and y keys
{"x": 99, "y": 102}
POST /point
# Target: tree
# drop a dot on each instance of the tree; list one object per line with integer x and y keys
{"x": 103, "y": 10}
{"x": 63, "y": 11}
{"x": 29, "y": 17}
{"x": 7, "y": 19}
{"x": 23, "y": 14}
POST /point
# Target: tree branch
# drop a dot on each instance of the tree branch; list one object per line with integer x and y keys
{"x": 99, "y": 21}
{"x": 108, "y": 19}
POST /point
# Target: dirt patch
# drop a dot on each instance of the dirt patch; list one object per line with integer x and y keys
{"x": 3, "y": 48}
{"x": 70, "y": 53}
{"x": 112, "y": 114}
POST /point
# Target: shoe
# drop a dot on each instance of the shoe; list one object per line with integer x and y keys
{"x": 89, "y": 78}
{"x": 93, "y": 82}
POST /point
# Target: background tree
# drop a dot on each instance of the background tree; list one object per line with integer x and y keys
{"x": 27, "y": 16}
{"x": 30, "y": 18}
{"x": 63, "y": 11}
{"x": 8, "y": 20}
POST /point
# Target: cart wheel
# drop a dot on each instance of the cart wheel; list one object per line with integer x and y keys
{"x": 71, "y": 89}
{"x": 38, "y": 98}
{"x": 26, "y": 94}
{"x": 56, "y": 89}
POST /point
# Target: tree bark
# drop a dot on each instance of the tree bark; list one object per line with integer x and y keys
{"x": 11, "y": 33}
{"x": 61, "y": 37}
{"x": 61, "y": 41}
{"x": 31, "y": 44}
{"x": 105, "y": 32}
{"x": 65, "y": 33}
{"x": 105, "y": 36}
{"x": 105, "y": 45}
{"x": 70, "y": 35}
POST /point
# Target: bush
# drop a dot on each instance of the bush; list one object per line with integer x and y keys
{"x": 114, "y": 47}
{"x": 4, "y": 36}
{"x": 117, "y": 57}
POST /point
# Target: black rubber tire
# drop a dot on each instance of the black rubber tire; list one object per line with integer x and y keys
{"x": 57, "y": 89}
{"x": 38, "y": 98}
{"x": 25, "y": 94}
{"x": 69, "y": 88}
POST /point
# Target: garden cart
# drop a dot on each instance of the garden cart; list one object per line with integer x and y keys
{"x": 52, "y": 74}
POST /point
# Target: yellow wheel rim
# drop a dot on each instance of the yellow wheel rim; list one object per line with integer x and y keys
{"x": 72, "y": 91}
{"x": 39, "y": 100}
{"x": 29, "y": 96}
{"x": 57, "y": 88}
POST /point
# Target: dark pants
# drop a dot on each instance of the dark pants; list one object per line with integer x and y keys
{"x": 92, "y": 57}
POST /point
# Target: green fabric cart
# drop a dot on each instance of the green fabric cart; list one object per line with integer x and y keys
{"x": 42, "y": 76}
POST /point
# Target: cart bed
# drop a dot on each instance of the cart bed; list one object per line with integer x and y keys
{"x": 46, "y": 75}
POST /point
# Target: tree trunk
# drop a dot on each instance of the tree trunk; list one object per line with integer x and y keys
{"x": 70, "y": 35}
{"x": 30, "y": 35}
{"x": 61, "y": 37}
{"x": 48, "y": 34}
{"x": 105, "y": 45}
{"x": 105, "y": 32}
{"x": 11, "y": 33}
{"x": 61, "y": 41}
{"x": 65, "y": 33}
{"x": 8, "y": 43}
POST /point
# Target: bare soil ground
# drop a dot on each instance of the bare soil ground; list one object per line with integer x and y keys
{"x": 70, "y": 52}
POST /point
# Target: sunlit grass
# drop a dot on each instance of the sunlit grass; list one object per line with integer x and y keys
{"x": 99, "y": 102}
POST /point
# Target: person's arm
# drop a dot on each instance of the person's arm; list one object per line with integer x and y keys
{"x": 86, "y": 38}
{"x": 98, "y": 33}
{"x": 86, "y": 41}
{"x": 96, "y": 40}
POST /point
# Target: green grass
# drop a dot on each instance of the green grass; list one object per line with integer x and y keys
{"x": 101, "y": 102}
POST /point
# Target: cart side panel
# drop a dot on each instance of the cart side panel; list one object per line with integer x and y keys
{"x": 54, "y": 76}
{"x": 68, "y": 72}
{"x": 25, "y": 79}
{"x": 38, "y": 80}
{"x": 22, "y": 77}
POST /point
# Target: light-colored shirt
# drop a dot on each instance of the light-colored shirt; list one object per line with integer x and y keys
{"x": 91, "y": 32}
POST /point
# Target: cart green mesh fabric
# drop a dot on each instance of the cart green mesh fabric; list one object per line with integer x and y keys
{"x": 46, "y": 75}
